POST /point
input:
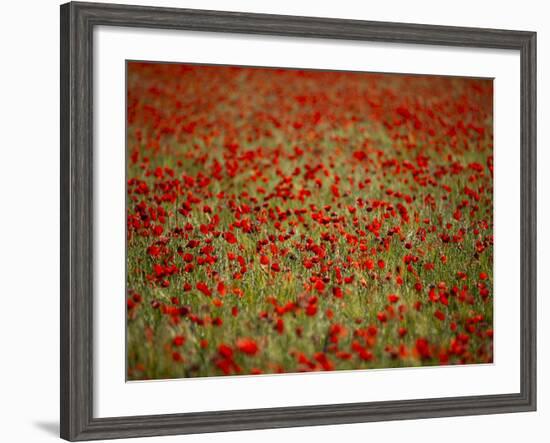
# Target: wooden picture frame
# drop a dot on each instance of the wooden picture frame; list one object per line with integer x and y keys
{"x": 77, "y": 23}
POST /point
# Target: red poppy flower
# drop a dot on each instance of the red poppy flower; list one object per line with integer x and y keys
{"x": 230, "y": 238}
{"x": 393, "y": 298}
{"x": 178, "y": 340}
{"x": 247, "y": 346}
{"x": 201, "y": 286}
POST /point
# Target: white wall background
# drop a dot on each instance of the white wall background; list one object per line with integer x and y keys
{"x": 29, "y": 222}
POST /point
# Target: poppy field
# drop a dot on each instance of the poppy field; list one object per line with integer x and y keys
{"x": 283, "y": 220}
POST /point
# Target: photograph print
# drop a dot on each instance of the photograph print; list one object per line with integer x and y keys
{"x": 286, "y": 220}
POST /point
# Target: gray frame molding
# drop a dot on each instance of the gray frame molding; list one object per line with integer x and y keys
{"x": 77, "y": 23}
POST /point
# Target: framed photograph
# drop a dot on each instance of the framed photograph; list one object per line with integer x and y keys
{"x": 274, "y": 221}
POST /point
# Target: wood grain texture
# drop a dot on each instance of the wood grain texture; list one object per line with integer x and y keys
{"x": 77, "y": 23}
